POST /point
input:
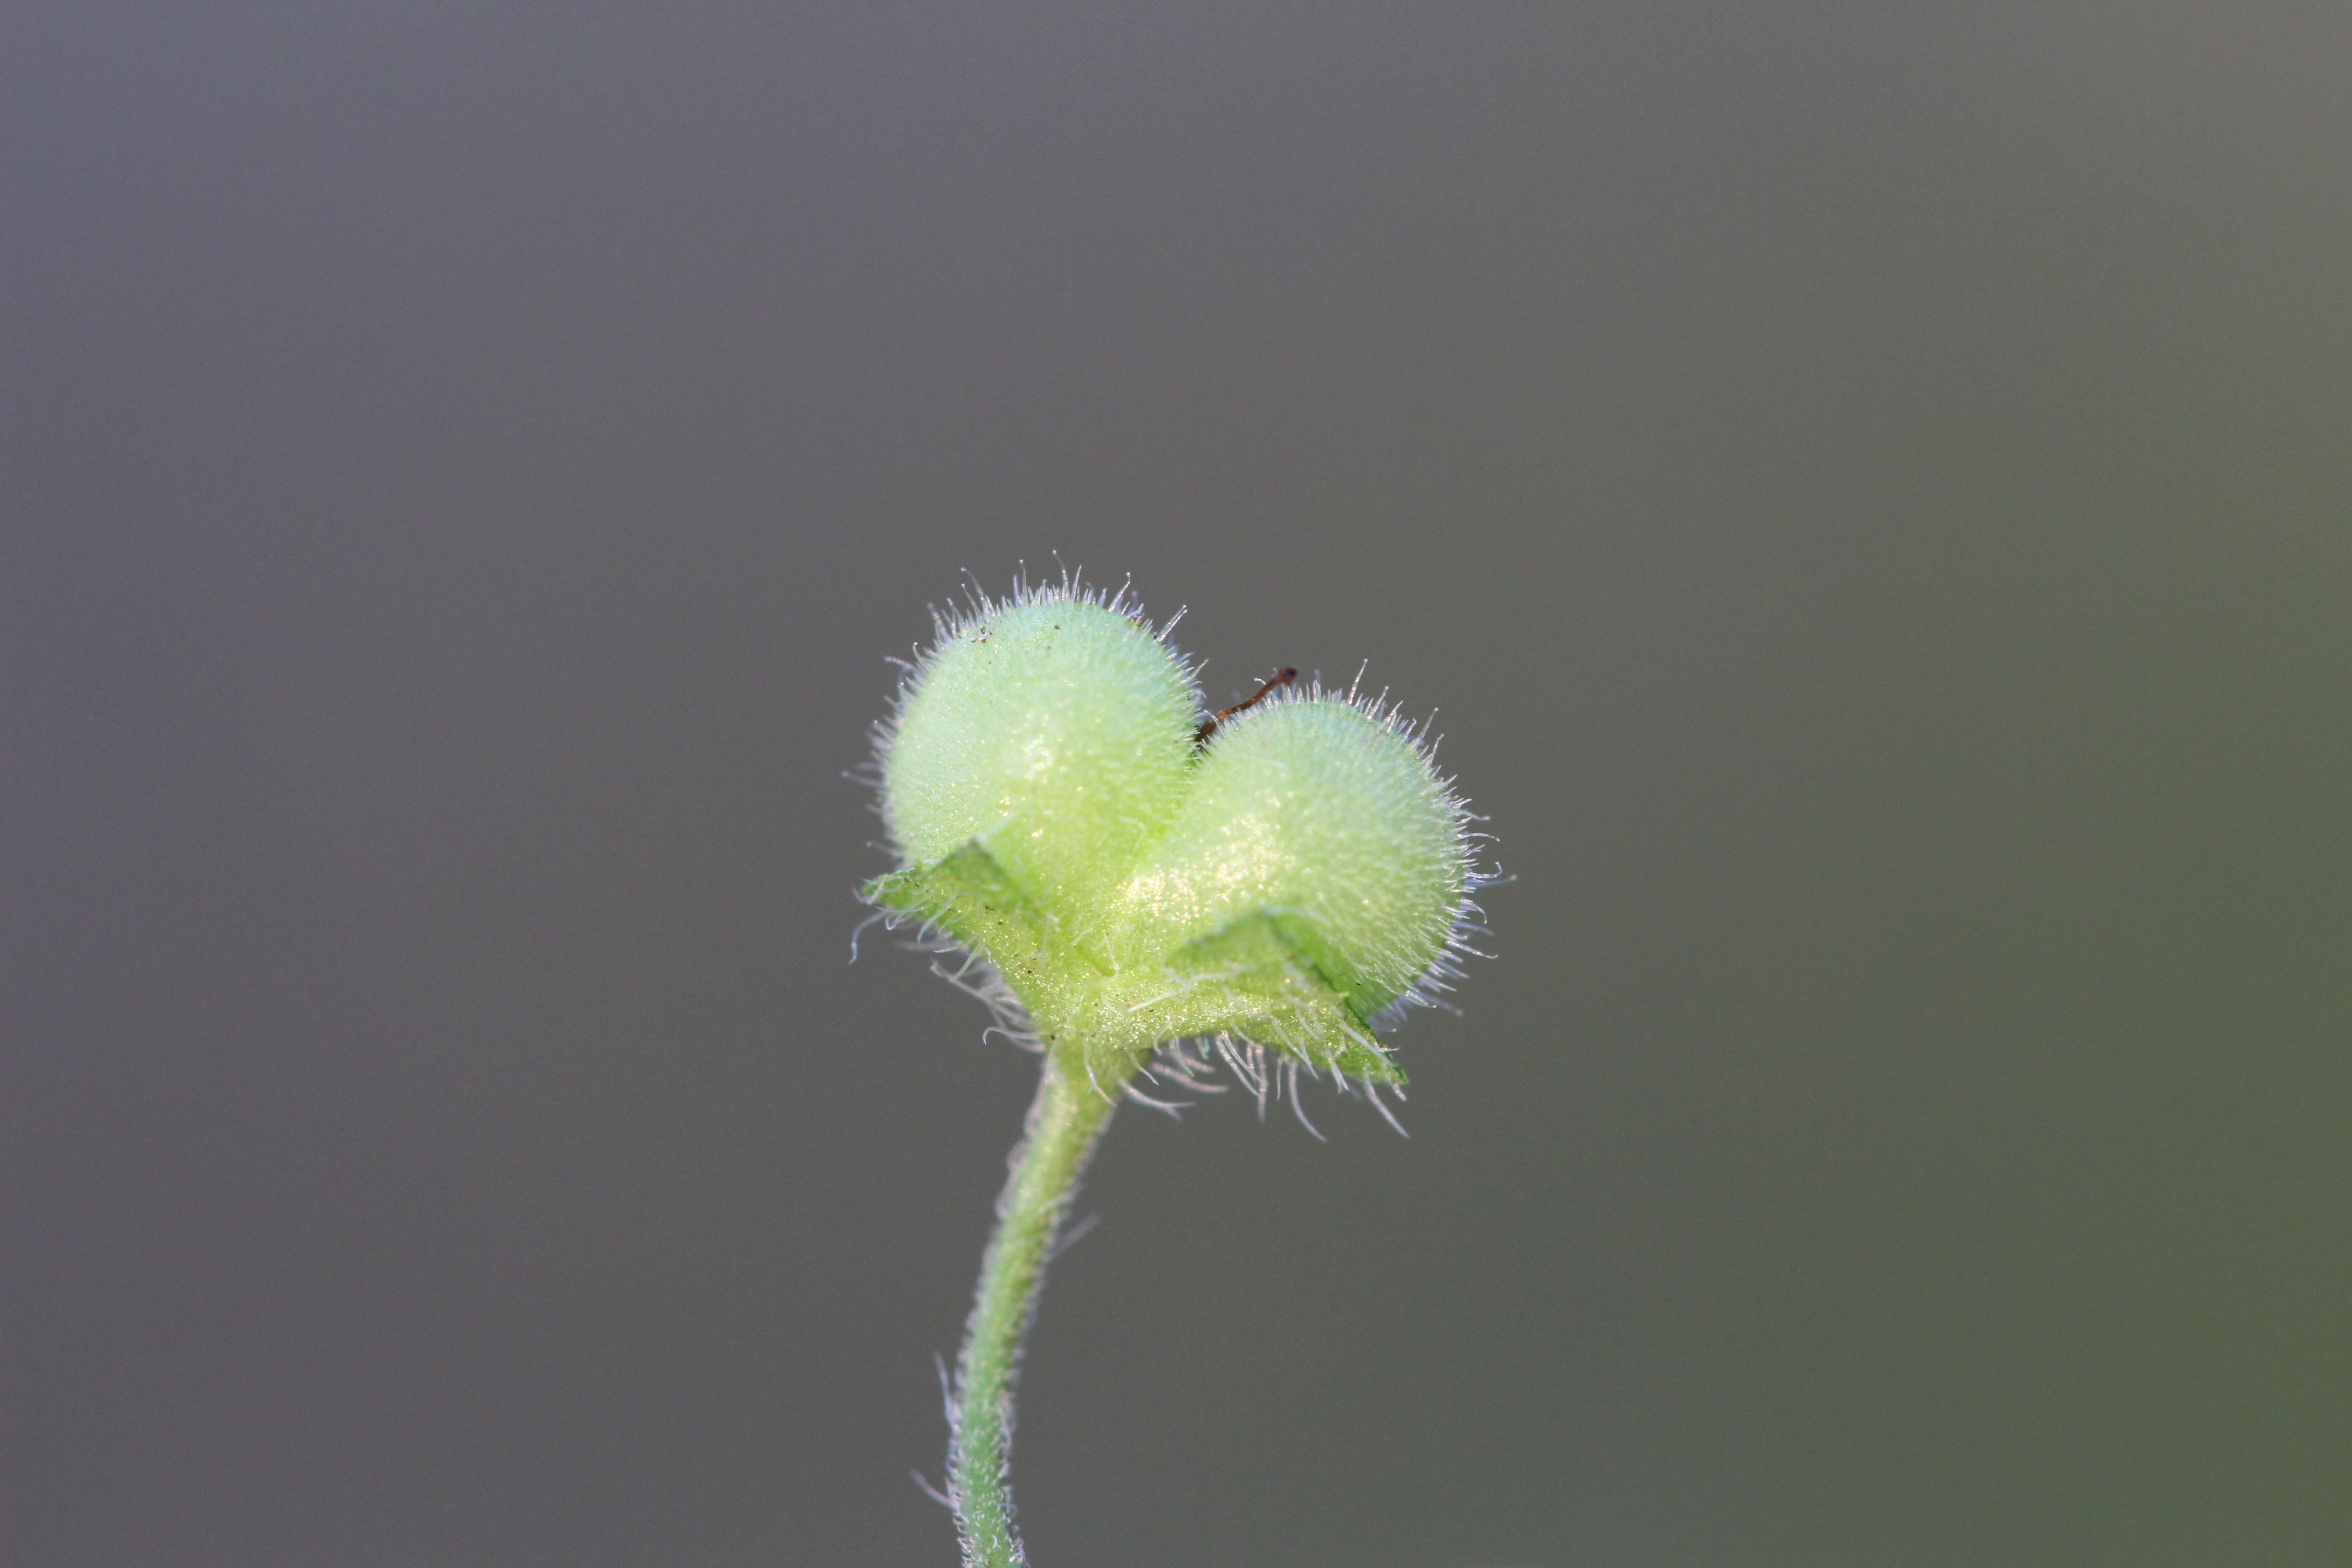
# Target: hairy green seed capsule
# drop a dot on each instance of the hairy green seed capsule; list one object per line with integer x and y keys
{"x": 1056, "y": 735}
{"x": 1283, "y": 881}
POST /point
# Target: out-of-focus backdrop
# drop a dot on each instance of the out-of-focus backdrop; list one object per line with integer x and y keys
{"x": 1865, "y": 489}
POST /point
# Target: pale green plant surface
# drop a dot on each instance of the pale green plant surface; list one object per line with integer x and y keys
{"x": 1124, "y": 874}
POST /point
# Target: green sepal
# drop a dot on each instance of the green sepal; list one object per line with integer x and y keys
{"x": 1278, "y": 982}
{"x": 968, "y": 896}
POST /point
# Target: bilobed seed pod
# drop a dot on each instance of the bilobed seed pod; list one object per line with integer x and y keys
{"x": 1283, "y": 876}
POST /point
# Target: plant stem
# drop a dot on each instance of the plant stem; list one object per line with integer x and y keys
{"x": 1065, "y": 1121}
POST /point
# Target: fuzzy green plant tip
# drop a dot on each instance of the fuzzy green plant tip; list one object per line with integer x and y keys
{"x": 1127, "y": 872}
{"x": 1139, "y": 887}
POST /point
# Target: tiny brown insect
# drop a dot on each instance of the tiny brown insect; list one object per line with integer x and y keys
{"x": 1282, "y": 676}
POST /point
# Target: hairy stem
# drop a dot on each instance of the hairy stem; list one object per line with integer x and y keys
{"x": 1065, "y": 1122}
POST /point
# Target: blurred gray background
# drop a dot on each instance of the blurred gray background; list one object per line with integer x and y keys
{"x": 1864, "y": 487}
